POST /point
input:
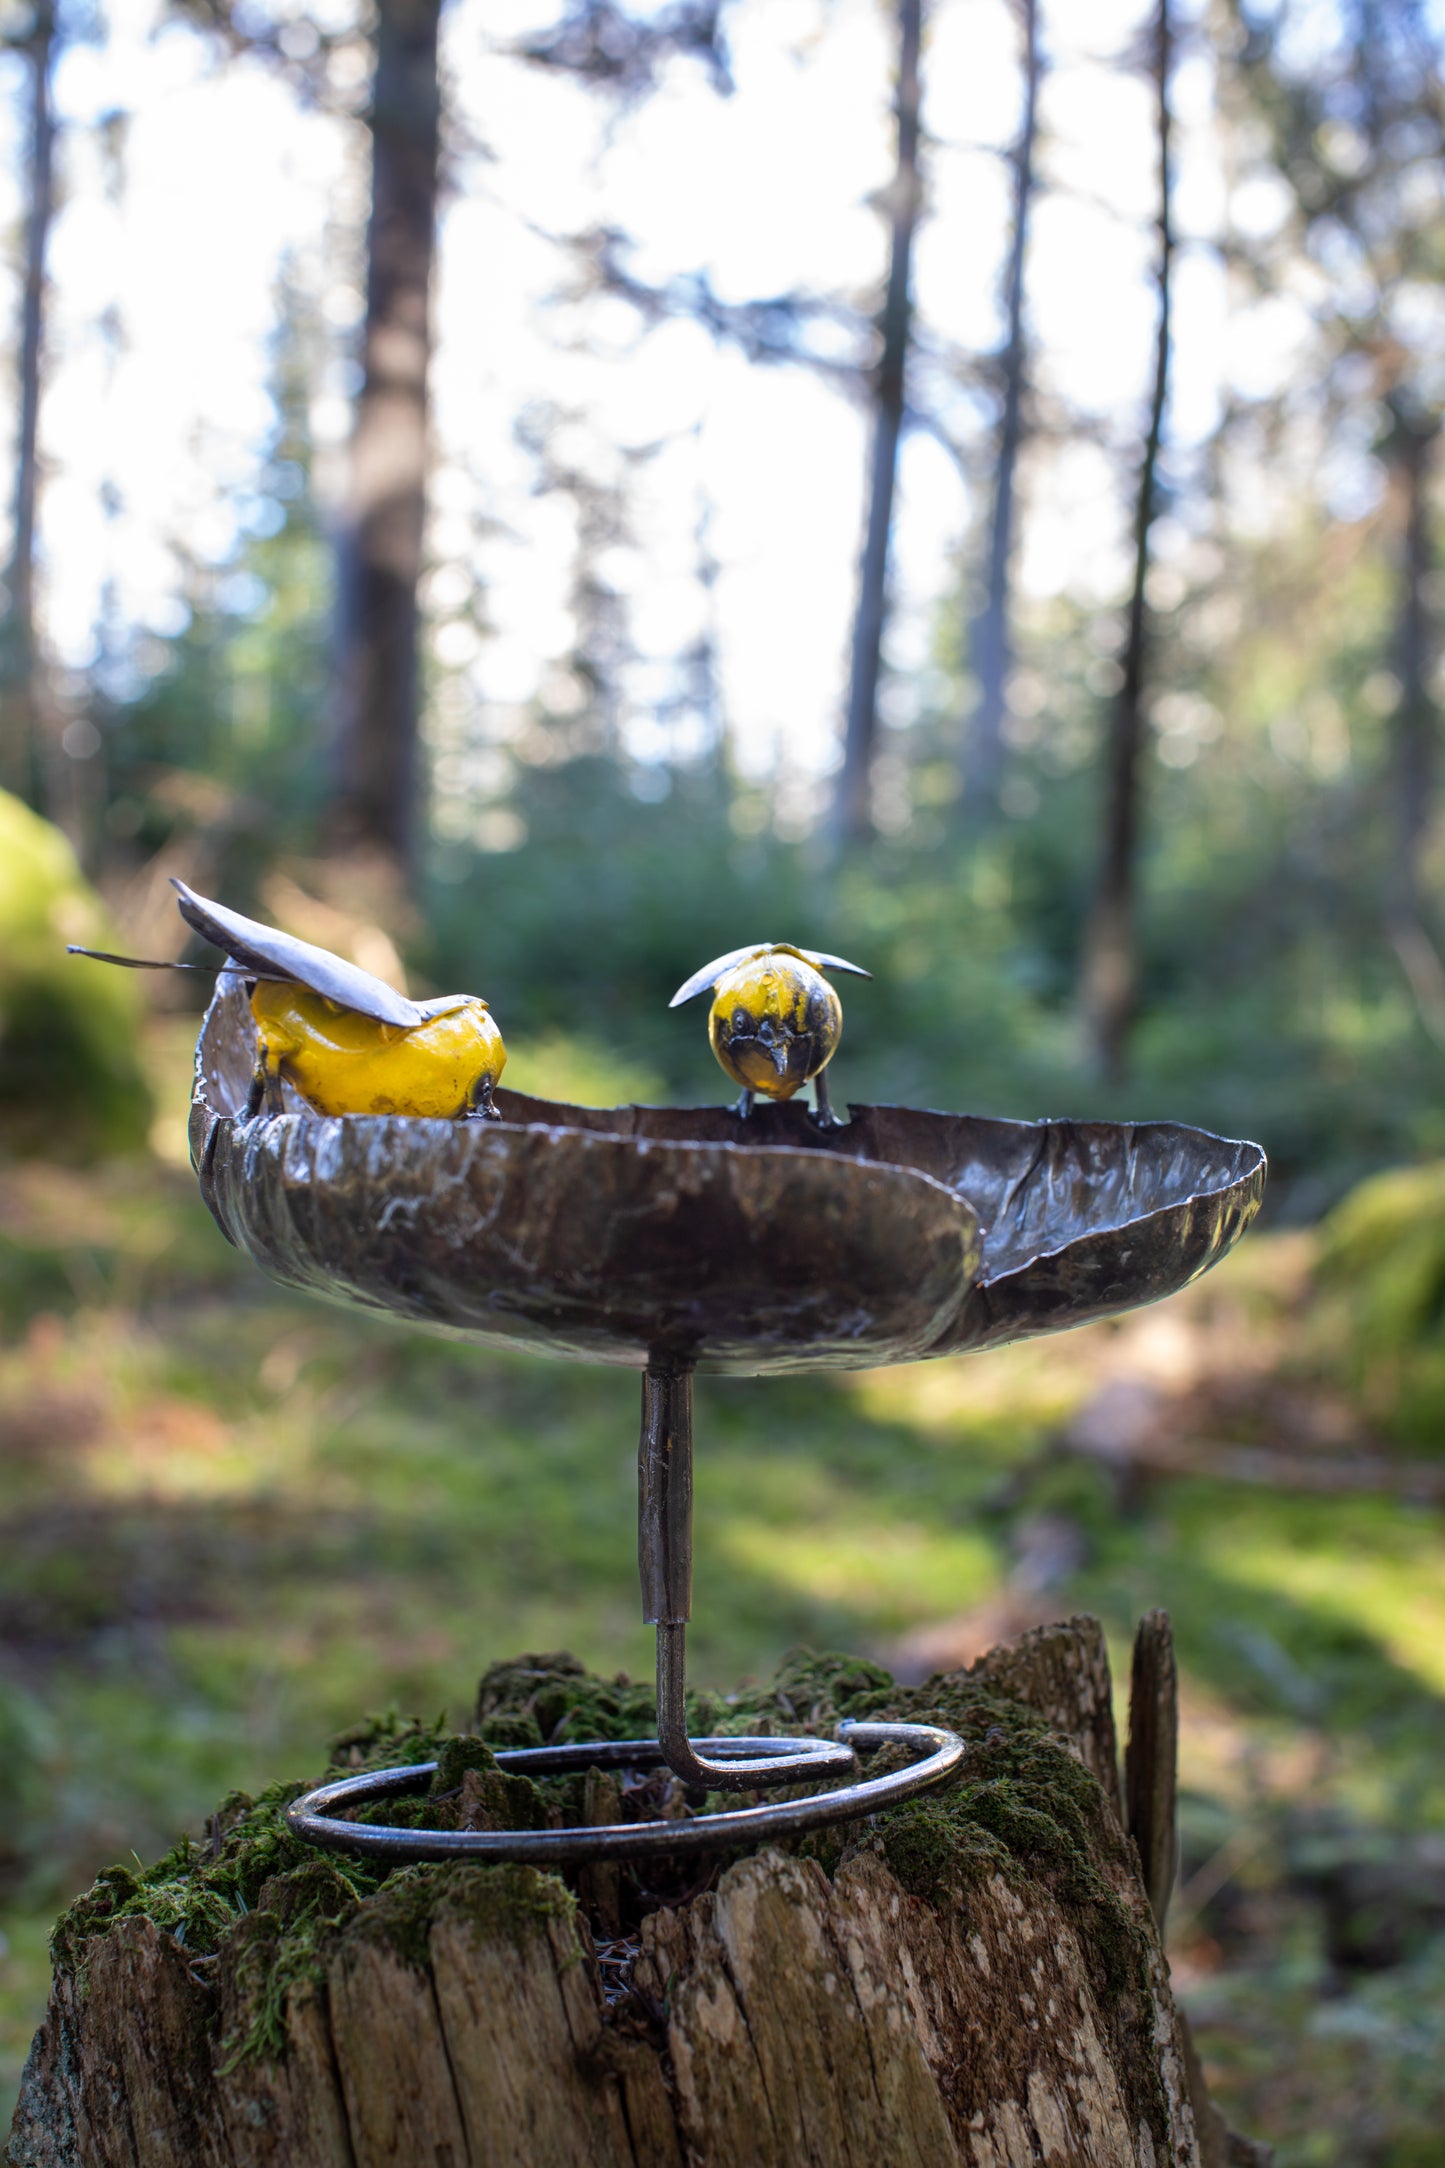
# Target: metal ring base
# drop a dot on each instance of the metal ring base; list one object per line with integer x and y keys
{"x": 941, "y": 1752}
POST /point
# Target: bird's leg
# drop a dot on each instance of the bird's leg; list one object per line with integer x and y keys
{"x": 823, "y": 1115}
{"x": 484, "y": 1108}
{"x": 265, "y": 1085}
{"x": 744, "y": 1106}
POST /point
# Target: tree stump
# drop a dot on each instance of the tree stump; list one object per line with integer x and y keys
{"x": 972, "y": 1978}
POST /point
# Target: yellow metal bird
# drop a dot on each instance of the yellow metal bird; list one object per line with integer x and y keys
{"x": 775, "y": 1022}
{"x": 343, "y": 1039}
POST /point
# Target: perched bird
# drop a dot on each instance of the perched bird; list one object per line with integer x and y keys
{"x": 775, "y": 1021}
{"x": 346, "y": 1041}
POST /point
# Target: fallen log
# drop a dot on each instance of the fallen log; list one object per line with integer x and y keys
{"x": 974, "y": 1977}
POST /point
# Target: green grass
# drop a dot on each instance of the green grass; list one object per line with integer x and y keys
{"x": 234, "y": 1519}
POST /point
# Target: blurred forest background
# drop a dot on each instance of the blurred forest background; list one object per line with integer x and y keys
{"x": 534, "y": 500}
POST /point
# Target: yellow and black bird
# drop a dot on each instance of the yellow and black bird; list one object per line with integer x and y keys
{"x": 343, "y": 1039}
{"x": 775, "y": 1022}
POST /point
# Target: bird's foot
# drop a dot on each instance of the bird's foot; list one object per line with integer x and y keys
{"x": 265, "y": 1093}
{"x": 486, "y": 1108}
{"x": 823, "y": 1115}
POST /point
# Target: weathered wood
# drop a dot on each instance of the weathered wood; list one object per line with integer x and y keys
{"x": 971, "y": 1981}
{"x": 390, "y": 2050}
{"x": 1063, "y": 1672}
{"x": 1151, "y": 1761}
{"x": 290, "y": 2109}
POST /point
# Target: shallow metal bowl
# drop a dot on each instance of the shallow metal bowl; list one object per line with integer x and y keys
{"x": 688, "y": 1237}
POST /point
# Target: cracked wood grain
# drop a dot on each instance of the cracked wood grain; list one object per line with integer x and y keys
{"x": 792, "y": 2017}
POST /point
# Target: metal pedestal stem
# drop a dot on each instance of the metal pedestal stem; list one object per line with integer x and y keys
{"x": 664, "y": 1559}
{"x": 664, "y": 1551}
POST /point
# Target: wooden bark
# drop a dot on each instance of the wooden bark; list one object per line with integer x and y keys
{"x": 26, "y": 754}
{"x": 991, "y": 646}
{"x": 905, "y": 1995}
{"x": 1415, "y": 725}
{"x": 1110, "y": 961}
{"x": 852, "y": 816}
{"x": 380, "y": 559}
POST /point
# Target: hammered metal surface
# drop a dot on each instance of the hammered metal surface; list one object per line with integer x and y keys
{"x": 688, "y": 1236}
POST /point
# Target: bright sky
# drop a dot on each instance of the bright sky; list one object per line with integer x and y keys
{"x": 170, "y": 241}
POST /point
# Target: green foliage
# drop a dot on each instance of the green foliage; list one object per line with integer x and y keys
{"x": 1266, "y": 1014}
{"x": 70, "y": 1080}
{"x": 1382, "y": 1315}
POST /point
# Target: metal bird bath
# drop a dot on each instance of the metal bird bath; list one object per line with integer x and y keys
{"x": 676, "y": 1240}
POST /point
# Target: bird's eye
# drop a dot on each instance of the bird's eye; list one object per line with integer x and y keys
{"x": 740, "y": 1020}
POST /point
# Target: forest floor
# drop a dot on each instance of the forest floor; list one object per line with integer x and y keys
{"x": 231, "y": 1520}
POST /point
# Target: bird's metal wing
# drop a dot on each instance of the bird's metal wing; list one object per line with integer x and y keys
{"x": 441, "y": 1005}
{"x": 825, "y": 962}
{"x": 272, "y": 954}
{"x": 155, "y": 963}
{"x": 711, "y": 973}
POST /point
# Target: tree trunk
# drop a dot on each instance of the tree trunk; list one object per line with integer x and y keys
{"x": 27, "y": 756}
{"x": 974, "y": 1978}
{"x": 1110, "y": 976}
{"x": 852, "y": 815}
{"x": 1415, "y": 726}
{"x": 991, "y": 647}
{"x": 381, "y": 546}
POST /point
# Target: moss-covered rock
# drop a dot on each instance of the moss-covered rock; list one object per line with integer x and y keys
{"x": 71, "y": 1083}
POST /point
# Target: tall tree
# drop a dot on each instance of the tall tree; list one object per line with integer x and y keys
{"x": 991, "y": 643}
{"x": 1415, "y": 724}
{"x": 1357, "y": 130}
{"x": 852, "y": 817}
{"x": 25, "y": 751}
{"x": 381, "y": 545}
{"x": 1110, "y": 973}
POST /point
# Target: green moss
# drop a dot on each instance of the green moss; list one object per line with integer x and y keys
{"x": 933, "y": 1852}
{"x": 499, "y": 1899}
{"x": 399, "y": 1915}
{"x": 278, "y": 1947}
{"x": 507, "y": 1898}
{"x": 555, "y": 1700}
{"x": 402, "y": 1813}
{"x": 197, "y": 1891}
{"x": 515, "y": 1729}
{"x": 388, "y": 1741}
{"x": 456, "y": 1757}
{"x": 563, "y": 1700}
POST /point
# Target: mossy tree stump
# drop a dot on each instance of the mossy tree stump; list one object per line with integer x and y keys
{"x": 973, "y": 1978}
